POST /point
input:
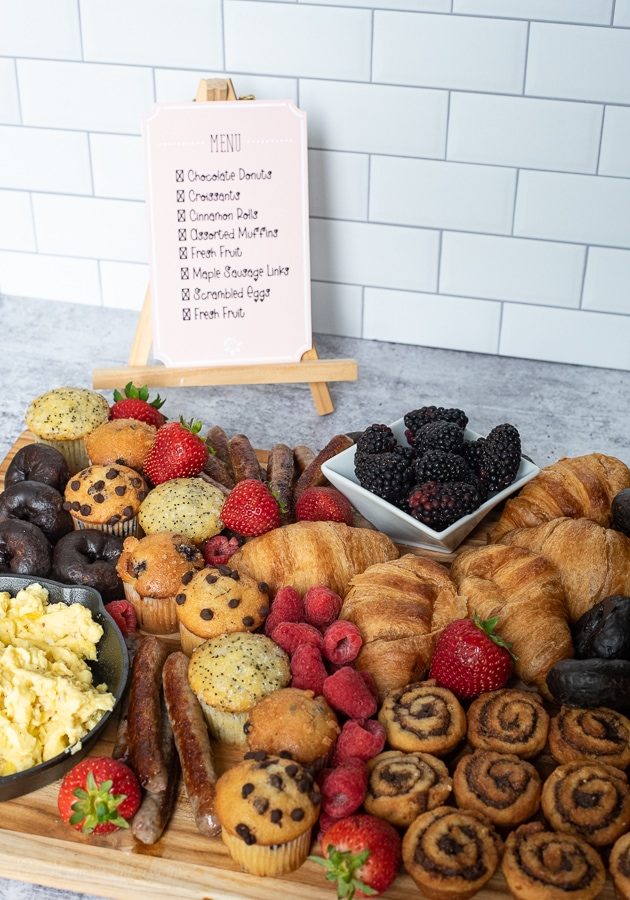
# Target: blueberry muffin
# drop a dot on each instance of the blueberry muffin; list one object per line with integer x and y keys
{"x": 267, "y": 806}
{"x": 106, "y": 498}
{"x": 153, "y": 570}
{"x": 187, "y": 506}
{"x": 229, "y": 674}
{"x": 219, "y": 600}
{"x": 63, "y": 417}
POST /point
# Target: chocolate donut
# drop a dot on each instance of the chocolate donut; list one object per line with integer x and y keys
{"x": 24, "y": 549}
{"x": 38, "y": 462}
{"x": 39, "y": 504}
{"x": 89, "y": 557}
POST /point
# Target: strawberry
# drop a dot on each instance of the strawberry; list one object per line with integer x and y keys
{"x": 99, "y": 795}
{"x": 124, "y": 615}
{"x": 470, "y": 658}
{"x": 251, "y": 508}
{"x": 134, "y": 404}
{"x": 323, "y": 504}
{"x": 219, "y": 549}
{"x": 176, "y": 452}
{"x": 362, "y": 854}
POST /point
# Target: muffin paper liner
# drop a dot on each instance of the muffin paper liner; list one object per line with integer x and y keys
{"x": 276, "y": 859}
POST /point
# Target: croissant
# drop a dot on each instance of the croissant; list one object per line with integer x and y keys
{"x": 306, "y": 554}
{"x": 593, "y": 562}
{"x": 400, "y": 607}
{"x": 524, "y": 590}
{"x": 580, "y": 486}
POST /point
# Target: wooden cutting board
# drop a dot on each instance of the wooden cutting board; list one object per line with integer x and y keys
{"x": 36, "y": 847}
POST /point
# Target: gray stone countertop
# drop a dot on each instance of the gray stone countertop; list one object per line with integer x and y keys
{"x": 560, "y": 410}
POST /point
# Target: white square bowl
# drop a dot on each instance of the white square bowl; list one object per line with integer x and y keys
{"x": 398, "y": 525}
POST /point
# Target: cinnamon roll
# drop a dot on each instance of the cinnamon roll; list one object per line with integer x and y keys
{"x": 501, "y": 786}
{"x": 451, "y": 853}
{"x": 403, "y": 785}
{"x": 582, "y": 734}
{"x": 619, "y": 865}
{"x": 508, "y": 721}
{"x": 590, "y": 800}
{"x": 543, "y": 865}
{"x": 423, "y": 717}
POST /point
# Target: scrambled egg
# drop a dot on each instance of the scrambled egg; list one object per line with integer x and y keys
{"x": 47, "y": 699}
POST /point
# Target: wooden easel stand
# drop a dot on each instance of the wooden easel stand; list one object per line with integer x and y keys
{"x": 317, "y": 372}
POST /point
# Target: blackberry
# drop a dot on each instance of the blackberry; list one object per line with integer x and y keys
{"x": 472, "y": 451}
{"x": 440, "y": 505}
{"x": 388, "y": 475}
{"x": 415, "y": 419}
{"x": 440, "y": 465}
{"x": 446, "y": 436}
{"x": 501, "y": 457}
{"x": 376, "y": 439}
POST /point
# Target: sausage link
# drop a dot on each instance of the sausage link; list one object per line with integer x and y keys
{"x": 303, "y": 457}
{"x": 218, "y": 440}
{"x": 192, "y": 741}
{"x": 312, "y": 475}
{"x": 280, "y": 471}
{"x": 155, "y": 810}
{"x": 217, "y": 469}
{"x": 244, "y": 461}
{"x": 144, "y": 719}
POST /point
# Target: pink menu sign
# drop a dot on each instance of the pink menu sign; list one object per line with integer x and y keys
{"x": 227, "y": 201}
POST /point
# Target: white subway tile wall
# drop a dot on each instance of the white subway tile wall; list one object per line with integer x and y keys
{"x": 468, "y": 159}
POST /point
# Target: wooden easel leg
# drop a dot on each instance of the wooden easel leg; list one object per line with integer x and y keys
{"x": 319, "y": 389}
{"x": 141, "y": 347}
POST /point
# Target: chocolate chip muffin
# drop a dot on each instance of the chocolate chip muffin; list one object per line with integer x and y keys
{"x": 106, "y": 498}
{"x": 123, "y": 442}
{"x": 63, "y": 417}
{"x": 267, "y": 806}
{"x": 153, "y": 569}
{"x": 219, "y": 600}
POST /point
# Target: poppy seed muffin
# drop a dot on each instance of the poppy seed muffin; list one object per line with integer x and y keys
{"x": 232, "y": 672}
{"x": 106, "y": 498}
{"x": 187, "y": 506}
{"x": 267, "y": 806}
{"x": 153, "y": 569}
{"x": 63, "y": 417}
{"x": 308, "y": 729}
{"x": 219, "y": 600}
{"x": 124, "y": 442}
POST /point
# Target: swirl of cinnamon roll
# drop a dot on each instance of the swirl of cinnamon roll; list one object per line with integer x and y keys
{"x": 508, "y": 721}
{"x": 582, "y": 734}
{"x": 451, "y": 853}
{"x": 590, "y": 800}
{"x": 619, "y": 865}
{"x": 543, "y": 865}
{"x": 501, "y": 786}
{"x": 403, "y": 785}
{"x": 423, "y": 717}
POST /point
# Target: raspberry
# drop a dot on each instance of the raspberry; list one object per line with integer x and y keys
{"x": 123, "y": 614}
{"x": 347, "y": 692}
{"x": 342, "y": 642}
{"x": 289, "y": 636}
{"x": 308, "y": 670}
{"x": 321, "y": 606}
{"x": 286, "y": 607}
{"x": 368, "y": 678}
{"x": 218, "y": 550}
{"x": 359, "y": 739}
{"x": 325, "y": 821}
{"x": 343, "y": 788}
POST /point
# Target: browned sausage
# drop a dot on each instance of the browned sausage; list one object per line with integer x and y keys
{"x": 312, "y": 474}
{"x": 144, "y": 718}
{"x": 218, "y": 440}
{"x": 244, "y": 461}
{"x": 155, "y": 810}
{"x": 216, "y": 468}
{"x": 280, "y": 470}
{"x": 303, "y": 457}
{"x": 192, "y": 742}
{"x": 216, "y": 484}
{"x": 121, "y": 743}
